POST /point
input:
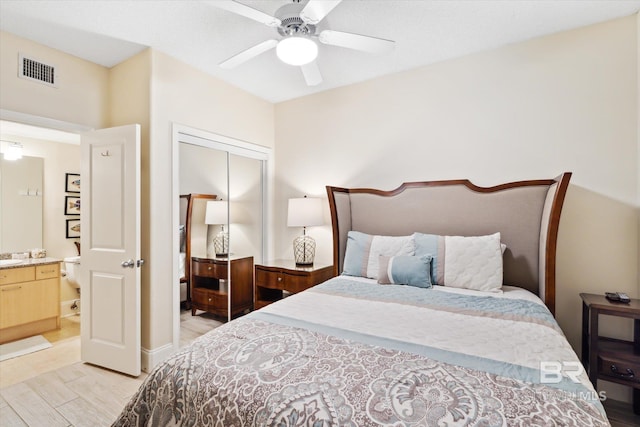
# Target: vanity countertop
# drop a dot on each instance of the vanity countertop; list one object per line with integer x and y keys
{"x": 31, "y": 261}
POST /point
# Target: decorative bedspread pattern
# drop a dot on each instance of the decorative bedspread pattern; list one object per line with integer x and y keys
{"x": 266, "y": 369}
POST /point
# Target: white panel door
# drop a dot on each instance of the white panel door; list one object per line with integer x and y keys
{"x": 110, "y": 248}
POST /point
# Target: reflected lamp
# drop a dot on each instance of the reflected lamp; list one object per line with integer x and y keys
{"x": 217, "y": 213}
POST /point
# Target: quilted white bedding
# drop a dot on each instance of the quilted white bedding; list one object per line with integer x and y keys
{"x": 350, "y": 352}
{"x": 414, "y": 323}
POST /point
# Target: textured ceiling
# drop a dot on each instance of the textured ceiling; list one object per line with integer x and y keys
{"x": 199, "y": 34}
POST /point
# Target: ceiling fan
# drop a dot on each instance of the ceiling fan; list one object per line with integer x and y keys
{"x": 296, "y": 23}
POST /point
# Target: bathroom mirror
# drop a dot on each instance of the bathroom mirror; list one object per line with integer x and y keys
{"x": 21, "y": 192}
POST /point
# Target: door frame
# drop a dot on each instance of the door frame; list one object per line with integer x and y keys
{"x": 190, "y": 135}
{"x": 43, "y": 122}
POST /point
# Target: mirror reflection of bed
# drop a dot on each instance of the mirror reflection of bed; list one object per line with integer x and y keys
{"x": 193, "y": 239}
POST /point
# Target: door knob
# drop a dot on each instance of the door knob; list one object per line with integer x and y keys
{"x": 140, "y": 262}
{"x": 128, "y": 263}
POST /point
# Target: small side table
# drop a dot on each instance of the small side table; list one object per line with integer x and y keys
{"x": 274, "y": 278}
{"x": 611, "y": 359}
{"x": 211, "y": 285}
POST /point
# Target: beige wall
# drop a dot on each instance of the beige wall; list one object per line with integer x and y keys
{"x": 181, "y": 94}
{"x": 565, "y": 102}
{"x": 81, "y": 93}
{"x": 154, "y": 90}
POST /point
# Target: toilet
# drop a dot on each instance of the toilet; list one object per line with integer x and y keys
{"x": 72, "y": 266}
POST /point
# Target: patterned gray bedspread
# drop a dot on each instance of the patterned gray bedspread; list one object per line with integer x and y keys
{"x": 256, "y": 372}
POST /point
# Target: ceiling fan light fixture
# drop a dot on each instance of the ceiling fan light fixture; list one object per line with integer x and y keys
{"x": 297, "y": 50}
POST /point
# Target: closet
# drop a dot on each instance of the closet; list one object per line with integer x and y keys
{"x": 213, "y": 168}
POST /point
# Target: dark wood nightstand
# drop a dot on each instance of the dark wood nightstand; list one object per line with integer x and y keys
{"x": 211, "y": 285}
{"x": 275, "y": 277}
{"x": 611, "y": 359}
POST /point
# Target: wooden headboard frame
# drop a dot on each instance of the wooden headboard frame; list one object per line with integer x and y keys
{"x": 526, "y": 213}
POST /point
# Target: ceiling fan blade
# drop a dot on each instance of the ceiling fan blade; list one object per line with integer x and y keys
{"x": 246, "y": 11}
{"x": 316, "y": 10}
{"x": 311, "y": 73}
{"x": 356, "y": 41}
{"x": 248, "y": 54}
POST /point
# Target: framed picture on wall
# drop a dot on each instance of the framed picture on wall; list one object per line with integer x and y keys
{"x": 72, "y": 182}
{"x": 71, "y": 205}
{"x": 73, "y": 229}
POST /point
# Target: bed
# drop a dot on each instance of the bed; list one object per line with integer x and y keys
{"x": 405, "y": 334}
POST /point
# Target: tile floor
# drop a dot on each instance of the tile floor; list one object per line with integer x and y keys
{"x": 53, "y": 387}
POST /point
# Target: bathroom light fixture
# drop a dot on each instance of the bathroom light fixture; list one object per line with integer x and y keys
{"x": 217, "y": 213}
{"x": 13, "y": 151}
{"x": 297, "y": 50}
{"x": 304, "y": 212}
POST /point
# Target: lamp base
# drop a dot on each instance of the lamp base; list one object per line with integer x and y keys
{"x": 304, "y": 250}
{"x": 221, "y": 244}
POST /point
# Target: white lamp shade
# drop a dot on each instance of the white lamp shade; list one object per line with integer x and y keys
{"x": 217, "y": 212}
{"x": 305, "y": 212}
{"x": 296, "y": 50}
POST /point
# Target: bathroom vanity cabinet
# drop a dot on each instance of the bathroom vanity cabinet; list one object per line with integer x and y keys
{"x": 29, "y": 299}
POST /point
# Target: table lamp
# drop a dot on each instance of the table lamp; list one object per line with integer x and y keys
{"x": 217, "y": 213}
{"x": 304, "y": 212}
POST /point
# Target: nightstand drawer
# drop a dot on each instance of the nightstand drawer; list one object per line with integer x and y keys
{"x": 212, "y": 300}
{"x": 277, "y": 276}
{"x": 619, "y": 368}
{"x": 199, "y": 296}
{"x": 295, "y": 283}
{"x": 210, "y": 269}
{"x": 270, "y": 279}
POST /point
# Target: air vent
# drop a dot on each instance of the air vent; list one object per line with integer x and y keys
{"x": 29, "y": 68}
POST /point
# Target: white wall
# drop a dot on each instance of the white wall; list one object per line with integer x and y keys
{"x": 565, "y": 102}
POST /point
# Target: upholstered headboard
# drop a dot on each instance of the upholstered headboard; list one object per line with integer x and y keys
{"x": 526, "y": 213}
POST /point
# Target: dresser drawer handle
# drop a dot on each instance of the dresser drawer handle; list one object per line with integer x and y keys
{"x": 48, "y": 271}
{"x": 11, "y": 289}
{"x": 279, "y": 279}
{"x": 617, "y": 373}
{"x": 209, "y": 268}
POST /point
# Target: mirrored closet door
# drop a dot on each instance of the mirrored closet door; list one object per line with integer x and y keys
{"x": 222, "y": 219}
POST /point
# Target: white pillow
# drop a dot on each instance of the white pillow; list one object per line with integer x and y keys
{"x": 473, "y": 262}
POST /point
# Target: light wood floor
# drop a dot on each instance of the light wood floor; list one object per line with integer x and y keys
{"x": 53, "y": 387}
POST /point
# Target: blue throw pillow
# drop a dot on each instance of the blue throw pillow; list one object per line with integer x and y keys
{"x": 363, "y": 250}
{"x": 405, "y": 270}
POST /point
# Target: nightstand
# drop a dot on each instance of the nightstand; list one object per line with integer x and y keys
{"x": 275, "y": 279}
{"x": 611, "y": 359}
{"x": 211, "y": 285}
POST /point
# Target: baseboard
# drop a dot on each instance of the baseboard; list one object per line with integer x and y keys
{"x": 66, "y": 310}
{"x": 150, "y": 358}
